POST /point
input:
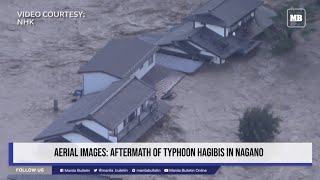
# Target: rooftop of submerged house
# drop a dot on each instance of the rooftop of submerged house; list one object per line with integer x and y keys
{"x": 108, "y": 107}
{"x": 120, "y": 58}
{"x": 224, "y": 15}
{"x": 224, "y": 12}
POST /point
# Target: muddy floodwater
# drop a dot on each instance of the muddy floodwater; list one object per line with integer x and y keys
{"x": 39, "y": 63}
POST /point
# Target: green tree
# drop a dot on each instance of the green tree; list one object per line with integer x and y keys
{"x": 258, "y": 124}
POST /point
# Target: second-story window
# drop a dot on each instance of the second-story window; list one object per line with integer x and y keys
{"x": 132, "y": 116}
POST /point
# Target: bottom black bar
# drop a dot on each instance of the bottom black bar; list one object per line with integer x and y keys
{"x": 133, "y": 170}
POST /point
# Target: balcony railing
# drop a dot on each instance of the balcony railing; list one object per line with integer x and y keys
{"x": 136, "y": 121}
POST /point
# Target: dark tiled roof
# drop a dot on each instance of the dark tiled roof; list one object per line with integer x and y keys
{"x": 108, "y": 107}
{"x": 57, "y": 139}
{"x": 90, "y": 134}
{"x": 122, "y": 104}
{"x": 177, "y": 33}
{"x": 214, "y": 43}
{"x": 162, "y": 78}
{"x": 206, "y": 7}
{"x": 120, "y": 58}
{"x": 206, "y": 18}
{"x": 175, "y": 63}
{"x": 228, "y": 11}
{"x": 186, "y": 47}
{"x": 79, "y": 110}
{"x": 56, "y": 177}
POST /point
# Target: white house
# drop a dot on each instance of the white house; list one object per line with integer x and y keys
{"x": 119, "y": 59}
{"x": 224, "y": 17}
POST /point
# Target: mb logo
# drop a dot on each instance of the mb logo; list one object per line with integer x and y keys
{"x": 296, "y": 18}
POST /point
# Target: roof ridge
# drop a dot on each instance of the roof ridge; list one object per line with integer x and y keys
{"x": 146, "y": 55}
{"x": 217, "y": 6}
{"x": 146, "y": 84}
{"x": 194, "y": 31}
{"x": 111, "y": 96}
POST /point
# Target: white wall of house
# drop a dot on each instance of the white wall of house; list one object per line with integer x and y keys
{"x": 145, "y": 68}
{"x": 253, "y": 14}
{"x": 139, "y": 111}
{"x": 219, "y": 30}
{"x": 102, "y": 131}
{"x": 217, "y": 60}
{"x": 76, "y": 138}
{"x": 113, "y": 139}
{"x": 120, "y": 127}
{"x": 198, "y": 24}
{"x": 96, "y": 81}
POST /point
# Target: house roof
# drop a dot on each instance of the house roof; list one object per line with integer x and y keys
{"x": 206, "y": 7}
{"x": 108, "y": 107}
{"x": 123, "y": 103}
{"x": 207, "y": 18}
{"x": 228, "y": 11}
{"x": 214, "y": 43}
{"x": 120, "y": 58}
{"x": 223, "y": 47}
{"x": 176, "y": 63}
{"x": 162, "y": 78}
{"x": 179, "y": 32}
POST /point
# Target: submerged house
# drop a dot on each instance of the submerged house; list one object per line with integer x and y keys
{"x": 120, "y": 100}
{"x": 119, "y": 59}
{"x": 217, "y": 30}
{"x": 123, "y": 83}
{"x": 127, "y": 58}
{"x": 123, "y": 112}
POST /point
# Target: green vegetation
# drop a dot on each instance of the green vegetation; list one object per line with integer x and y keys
{"x": 258, "y": 125}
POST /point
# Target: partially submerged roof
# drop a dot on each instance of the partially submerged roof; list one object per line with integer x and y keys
{"x": 228, "y": 11}
{"x": 206, "y": 7}
{"x": 120, "y": 58}
{"x": 214, "y": 43}
{"x": 162, "y": 79}
{"x": 113, "y": 111}
{"x": 178, "y": 63}
{"x": 179, "y": 32}
{"x": 108, "y": 107}
{"x": 207, "y": 18}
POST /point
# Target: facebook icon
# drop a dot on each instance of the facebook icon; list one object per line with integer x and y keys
{"x": 296, "y": 18}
